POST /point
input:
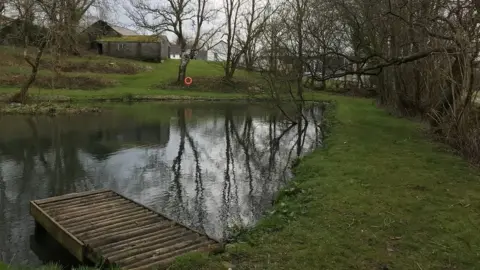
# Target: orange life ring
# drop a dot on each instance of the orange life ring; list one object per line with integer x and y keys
{"x": 188, "y": 81}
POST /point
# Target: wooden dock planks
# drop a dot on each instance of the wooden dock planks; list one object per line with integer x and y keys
{"x": 103, "y": 226}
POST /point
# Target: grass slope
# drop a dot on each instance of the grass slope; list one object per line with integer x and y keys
{"x": 127, "y": 86}
{"x": 381, "y": 195}
{"x": 45, "y": 267}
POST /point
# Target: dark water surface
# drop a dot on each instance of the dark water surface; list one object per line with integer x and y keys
{"x": 209, "y": 166}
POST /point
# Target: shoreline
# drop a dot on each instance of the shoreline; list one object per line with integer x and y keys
{"x": 53, "y": 105}
{"x": 379, "y": 193}
{"x": 365, "y": 200}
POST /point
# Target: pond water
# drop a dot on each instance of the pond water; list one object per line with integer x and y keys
{"x": 211, "y": 166}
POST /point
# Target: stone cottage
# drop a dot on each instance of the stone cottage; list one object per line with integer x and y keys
{"x": 102, "y": 29}
{"x": 146, "y": 48}
{"x": 116, "y": 41}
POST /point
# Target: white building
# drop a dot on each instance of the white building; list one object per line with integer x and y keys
{"x": 217, "y": 52}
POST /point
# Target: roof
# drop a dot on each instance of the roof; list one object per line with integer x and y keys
{"x": 164, "y": 38}
{"x": 136, "y": 38}
{"x": 119, "y": 29}
{"x": 123, "y": 31}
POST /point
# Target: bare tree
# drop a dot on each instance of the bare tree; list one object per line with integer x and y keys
{"x": 246, "y": 20}
{"x": 270, "y": 42}
{"x": 174, "y": 16}
{"x": 421, "y": 56}
{"x": 296, "y": 43}
{"x": 49, "y": 17}
{"x": 26, "y": 14}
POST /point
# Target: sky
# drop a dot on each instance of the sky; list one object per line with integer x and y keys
{"x": 118, "y": 16}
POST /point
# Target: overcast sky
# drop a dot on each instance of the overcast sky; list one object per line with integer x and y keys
{"x": 119, "y": 16}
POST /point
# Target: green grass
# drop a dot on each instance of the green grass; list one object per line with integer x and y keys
{"x": 141, "y": 85}
{"x": 45, "y": 267}
{"x": 137, "y": 85}
{"x": 380, "y": 195}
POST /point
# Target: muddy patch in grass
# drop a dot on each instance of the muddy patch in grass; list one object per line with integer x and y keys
{"x": 216, "y": 84}
{"x": 81, "y": 82}
{"x": 108, "y": 67}
{"x": 13, "y": 57}
{"x": 46, "y": 109}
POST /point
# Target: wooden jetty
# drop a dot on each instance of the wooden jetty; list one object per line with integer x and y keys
{"x": 107, "y": 228}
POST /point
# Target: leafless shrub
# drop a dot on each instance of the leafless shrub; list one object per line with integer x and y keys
{"x": 422, "y": 57}
{"x": 81, "y": 82}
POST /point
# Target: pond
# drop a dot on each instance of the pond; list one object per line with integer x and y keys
{"x": 211, "y": 166}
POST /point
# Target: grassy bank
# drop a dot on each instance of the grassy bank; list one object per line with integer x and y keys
{"x": 94, "y": 77}
{"x": 381, "y": 195}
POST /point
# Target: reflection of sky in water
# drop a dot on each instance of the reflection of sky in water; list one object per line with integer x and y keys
{"x": 226, "y": 173}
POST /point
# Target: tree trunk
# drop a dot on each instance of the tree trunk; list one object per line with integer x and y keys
{"x": 229, "y": 74}
{"x": 382, "y": 95}
{"x": 231, "y": 67}
{"x": 324, "y": 72}
{"x": 452, "y": 94}
{"x": 21, "y": 97}
{"x": 182, "y": 68}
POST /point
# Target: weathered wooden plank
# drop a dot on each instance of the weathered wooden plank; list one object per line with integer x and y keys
{"x": 69, "y": 196}
{"x": 111, "y": 247}
{"x": 118, "y": 227}
{"x": 114, "y": 236}
{"x": 116, "y": 230}
{"x": 134, "y": 261}
{"x": 153, "y": 210}
{"x": 80, "y": 207}
{"x": 163, "y": 263}
{"x": 153, "y": 245}
{"x": 102, "y": 214}
{"x": 91, "y": 221}
{"x": 93, "y": 209}
{"x": 153, "y": 257}
{"x": 166, "y": 235}
{"x": 112, "y": 221}
{"x": 89, "y": 200}
{"x": 69, "y": 241}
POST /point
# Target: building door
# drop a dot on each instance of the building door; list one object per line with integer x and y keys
{"x": 100, "y": 48}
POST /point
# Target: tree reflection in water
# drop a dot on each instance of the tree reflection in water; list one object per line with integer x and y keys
{"x": 207, "y": 167}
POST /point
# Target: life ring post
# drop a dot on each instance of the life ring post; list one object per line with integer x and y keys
{"x": 188, "y": 81}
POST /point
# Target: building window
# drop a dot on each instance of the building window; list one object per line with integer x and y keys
{"x": 120, "y": 46}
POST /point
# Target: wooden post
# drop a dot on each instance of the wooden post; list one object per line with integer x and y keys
{"x": 159, "y": 45}
{"x": 139, "y": 50}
